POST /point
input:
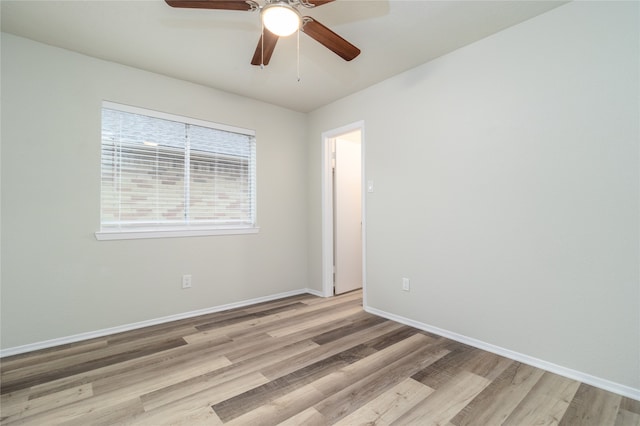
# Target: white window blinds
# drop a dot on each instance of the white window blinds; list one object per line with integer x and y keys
{"x": 161, "y": 171}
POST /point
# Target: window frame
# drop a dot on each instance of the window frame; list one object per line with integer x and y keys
{"x": 185, "y": 230}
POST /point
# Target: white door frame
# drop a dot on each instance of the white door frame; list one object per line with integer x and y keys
{"x": 327, "y": 207}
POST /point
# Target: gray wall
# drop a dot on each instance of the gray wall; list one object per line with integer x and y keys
{"x": 57, "y": 280}
{"x": 507, "y": 188}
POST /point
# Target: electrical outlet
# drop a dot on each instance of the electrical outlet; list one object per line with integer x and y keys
{"x": 406, "y": 284}
{"x": 186, "y": 281}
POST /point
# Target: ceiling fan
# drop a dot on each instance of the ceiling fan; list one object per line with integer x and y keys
{"x": 280, "y": 18}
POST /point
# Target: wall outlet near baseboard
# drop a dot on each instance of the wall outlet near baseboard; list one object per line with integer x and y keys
{"x": 186, "y": 281}
{"x": 406, "y": 284}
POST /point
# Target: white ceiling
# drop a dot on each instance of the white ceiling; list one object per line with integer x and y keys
{"x": 214, "y": 47}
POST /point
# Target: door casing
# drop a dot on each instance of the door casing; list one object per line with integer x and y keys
{"x": 327, "y": 206}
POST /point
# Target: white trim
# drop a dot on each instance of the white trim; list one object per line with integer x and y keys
{"x": 314, "y": 292}
{"x": 134, "y": 326}
{"x": 174, "y": 117}
{"x": 327, "y": 218}
{"x": 169, "y": 233}
{"x": 363, "y": 195}
{"x": 605, "y": 384}
{"x": 327, "y": 206}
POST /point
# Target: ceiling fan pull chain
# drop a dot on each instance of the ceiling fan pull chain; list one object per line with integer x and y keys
{"x": 262, "y": 47}
{"x": 298, "y": 55}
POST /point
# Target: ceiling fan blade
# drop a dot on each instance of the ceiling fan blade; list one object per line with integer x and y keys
{"x": 262, "y": 55}
{"x": 213, "y": 4}
{"x": 329, "y": 39}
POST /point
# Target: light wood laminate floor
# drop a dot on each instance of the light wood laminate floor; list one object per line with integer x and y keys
{"x": 302, "y": 360}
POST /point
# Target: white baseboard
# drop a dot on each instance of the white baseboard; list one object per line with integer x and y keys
{"x": 127, "y": 327}
{"x": 544, "y": 365}
{"x": 314, "y": 292}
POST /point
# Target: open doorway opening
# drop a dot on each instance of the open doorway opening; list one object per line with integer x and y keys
{"x": 343, "y": 210}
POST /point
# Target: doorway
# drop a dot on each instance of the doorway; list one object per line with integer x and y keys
{"x": 343, "y": 210}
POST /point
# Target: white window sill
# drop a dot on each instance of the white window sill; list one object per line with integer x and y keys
{"x": 169, "y": 233}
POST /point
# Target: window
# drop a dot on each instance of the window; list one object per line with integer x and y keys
{"x": 165, "y": 175}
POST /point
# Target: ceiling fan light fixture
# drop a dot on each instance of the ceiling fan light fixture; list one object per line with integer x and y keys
{"x": 281, "y": 18}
